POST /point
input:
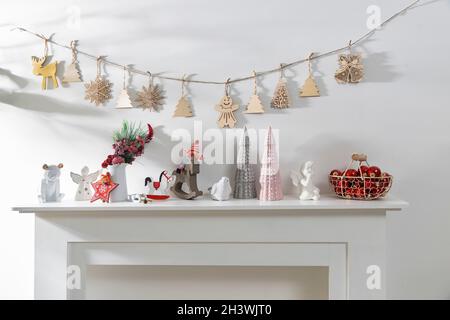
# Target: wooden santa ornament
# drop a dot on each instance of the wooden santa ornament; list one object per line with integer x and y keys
{"x": 226, "y": 109}
{"x": 183, "y": 107}
{"x": 255, "y": 105}
{"x": 309, "y": 88}
{"x": 72, "y": 73}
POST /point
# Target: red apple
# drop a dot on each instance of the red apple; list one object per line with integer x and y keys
{"x": 374, "y": 171}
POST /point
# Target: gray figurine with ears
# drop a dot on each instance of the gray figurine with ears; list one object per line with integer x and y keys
{"x": 50, "y": 183}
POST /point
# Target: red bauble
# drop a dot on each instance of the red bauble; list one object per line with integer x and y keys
{"x": 363, "y": 170}
{"x": 351, "y": 173}
{"x": 374, "y": 171}
{"x": 336, "y": 173}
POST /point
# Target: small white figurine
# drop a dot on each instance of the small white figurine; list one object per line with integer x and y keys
{"x": 304, "y": 178}
{"x": 50, "y": 183}
{"x": 159, "y": 190}
{"x": 84, "y": 191}
{"x": 221, "y": 190}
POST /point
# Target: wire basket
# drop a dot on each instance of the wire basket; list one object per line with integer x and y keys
{"x": 360, "y": 185}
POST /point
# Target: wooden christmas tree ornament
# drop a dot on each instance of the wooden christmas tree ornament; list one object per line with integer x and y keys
{"x": 72, "y": 73}
{"x": 183, "y": 107}
{"x": 350, "y": 69}
{"x": 280, "y": 98}
{"x": 255, "y": 105}
{"x": 150, "y": 97}
{"x": 226, "y": 109}
{"x": 309, "y": 88}
{"x": 99, "y": 90}
{"x": 124, "y": 101}
{"x": 47, "y": 71}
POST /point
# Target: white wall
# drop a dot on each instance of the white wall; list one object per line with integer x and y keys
{"x": 398, "y": 115}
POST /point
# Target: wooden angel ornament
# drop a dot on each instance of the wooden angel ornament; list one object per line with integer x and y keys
{"x": 48, "y": 71}
{"x": 351, "y": 69}
{"x": 72, "y": 73}
{"x": 226, "y": 109}
{"x": 84, "y": 181}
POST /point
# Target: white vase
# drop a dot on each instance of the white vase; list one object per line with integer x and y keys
{"x": 118, "y": 175}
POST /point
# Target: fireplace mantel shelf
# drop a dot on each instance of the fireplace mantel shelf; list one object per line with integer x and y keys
{"x": 327, "y": 202}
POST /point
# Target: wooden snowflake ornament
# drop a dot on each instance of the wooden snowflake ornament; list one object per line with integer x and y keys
{"x": 150, "y": 97}
{"x": 99, "y": 90}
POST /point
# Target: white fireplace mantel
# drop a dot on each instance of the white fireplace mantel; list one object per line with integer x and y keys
{"x": 346, "y": 236}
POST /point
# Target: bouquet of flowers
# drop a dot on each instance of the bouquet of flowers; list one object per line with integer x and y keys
{"x": 129, "y": 143}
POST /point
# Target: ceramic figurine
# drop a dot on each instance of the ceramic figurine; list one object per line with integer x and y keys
{"x": 269, "y": 177}
{"x": 221, "y": 190}
{"x": 304, "y": 179}
{"x": 159, "y": 190}
{"x": 84, "y": 180}
{"x": 245, "y": 179}
{"x": 50, "y": 183}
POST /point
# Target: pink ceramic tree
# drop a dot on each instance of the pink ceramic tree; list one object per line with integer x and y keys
{"x": 270, "y": 178}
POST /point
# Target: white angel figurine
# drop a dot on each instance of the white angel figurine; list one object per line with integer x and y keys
{"x": 84, "y": 191}
{"x": 221, "y": 190}
{"x": 304, "y": 178}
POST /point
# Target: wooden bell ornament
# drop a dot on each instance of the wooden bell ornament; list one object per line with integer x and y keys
{"x": 72, "y": 73}
{"x": 47, "y": 71}
{"x": 351, "y": 69}
{"x": 183, "y": 107}
{"x": 255, "y": 105}
{"x": 310, "y": 88}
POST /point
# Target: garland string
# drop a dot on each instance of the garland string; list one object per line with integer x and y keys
{"x": 280, "y": 69}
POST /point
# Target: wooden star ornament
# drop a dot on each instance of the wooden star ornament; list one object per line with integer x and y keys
{"x": 103, "y": 188}
{"x": 150, "y": 97}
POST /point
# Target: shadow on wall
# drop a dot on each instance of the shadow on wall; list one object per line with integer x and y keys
{"x": 377, "y": 68}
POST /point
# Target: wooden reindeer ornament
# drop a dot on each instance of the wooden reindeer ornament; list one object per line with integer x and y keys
{"x": 47, "y": 71}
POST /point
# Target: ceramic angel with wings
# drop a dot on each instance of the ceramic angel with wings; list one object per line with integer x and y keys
{"x": 303, "y": 179}
{"x": 84, "y": 180}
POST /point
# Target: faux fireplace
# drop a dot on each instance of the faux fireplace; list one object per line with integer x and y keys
{"x": 77, "y": 245}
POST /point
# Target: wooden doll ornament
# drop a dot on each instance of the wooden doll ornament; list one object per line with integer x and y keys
{"x": 72, "y": 73}
{"x": 280, "y": 98}
{"x": 309, "y": 88}
{"x": 255, "y": 105}
{"x": 226, "y": 109}
{"x": 99, "y": 90}
{"x": 124, "y": 101}
{"x": 183, "y": 107}
{"x": 47, "y": 71}
{"x": 350, "y": 69}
